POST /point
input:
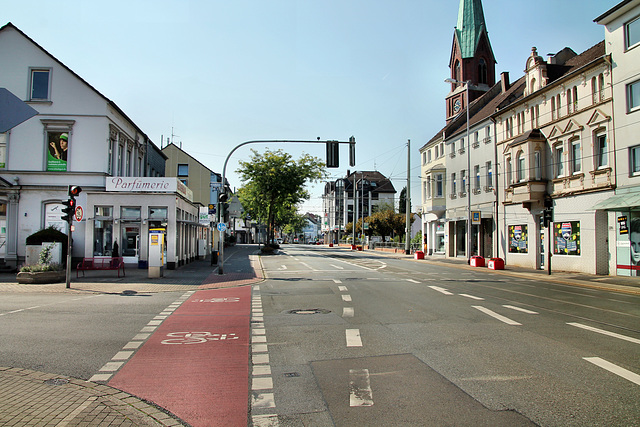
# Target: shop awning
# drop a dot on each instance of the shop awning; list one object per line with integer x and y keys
{"x": 620, "y": 202}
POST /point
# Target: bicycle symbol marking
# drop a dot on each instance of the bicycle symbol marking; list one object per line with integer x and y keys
{"x": 196, "y": 337}
{"x": 225, "y": 299}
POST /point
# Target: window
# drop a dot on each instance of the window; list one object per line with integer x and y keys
{"x": 597, "y": 88}
{"x": 509, "y": 171}
{"x": 482, "y": 71}
{"x": 428, "y": 188}
{"x": 439, "y": 186}
{"x": 537, "y": 165}
{"x": 558, "y": 106}
{"x": 476, "y": 170}
{"x": 558, "y": 152}
{"x": 632, "y": 33}
{"x": 120, "y": 148}
{"x": 3, "y": 150}
{"x": 576, "y": 158}
{"x": 57, "y": 149}
{"x": 103, "y": 231}
{"x": 569, "y": 103}
{"x": 453, "y": 183}
{"x": 601, "y": 151}
{"x": 575, "y": 99}
{"x": 520, "y": 167}
{"x": 633, "y": 96}
{"x": 476, "y": 140}
{"x": 553, "y": 108}
{"x": 424, "y": 157}
{"x": 436, "y": 153}
{"x": 463, "y": 176}
{"x": 39, "y": 85}
{"x": 634, "y": 157}
{"x": 461, "y": 149}
{"x": 429, "y": 155}
{"x": 183, "y": 170}
{"x": 489, "y": 176}
{"x": 453, "y": 150}
{"x": 487, "y": 134}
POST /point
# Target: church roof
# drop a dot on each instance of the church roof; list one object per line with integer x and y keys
{"x": 470, "y": 26}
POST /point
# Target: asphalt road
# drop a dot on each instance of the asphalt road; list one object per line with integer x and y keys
{"x": 359, "y": 339}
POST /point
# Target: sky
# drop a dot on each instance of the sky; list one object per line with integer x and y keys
{"x": 210, "y": 74}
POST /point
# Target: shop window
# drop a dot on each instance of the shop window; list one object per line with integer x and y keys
{"x": 40, "y": 84}
{"x": 518, "y": 239}
{"x": 566, "y": 238}
{"x": 103, "y": 231}
{"x": 130, "y": 213}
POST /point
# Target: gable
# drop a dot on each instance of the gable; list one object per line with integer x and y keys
{"x": 597, "y": 118}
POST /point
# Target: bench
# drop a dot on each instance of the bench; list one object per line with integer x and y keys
{"x": 100, "y": 264}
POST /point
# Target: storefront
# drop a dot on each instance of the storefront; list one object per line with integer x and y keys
{"x": 119, "y": 220}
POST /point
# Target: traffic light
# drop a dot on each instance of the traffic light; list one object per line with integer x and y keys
{"x": 352, "y": 151}
{"x": 74, "y": 191}
{"x": 333, "y": 154}
{"x": 548, "y": 216}
{"x": 69, "y": 210}
{"x": 222, "y": 198}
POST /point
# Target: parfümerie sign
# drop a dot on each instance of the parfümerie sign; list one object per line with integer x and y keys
{"x": 148, "y": 185}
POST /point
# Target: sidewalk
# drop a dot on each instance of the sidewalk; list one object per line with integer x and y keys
{"x": 31, "y": 398}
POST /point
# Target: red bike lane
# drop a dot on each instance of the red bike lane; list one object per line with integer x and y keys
{"x": 196, "y": 364}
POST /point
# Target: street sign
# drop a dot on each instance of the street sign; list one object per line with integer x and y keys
{"x": 79, "y": 213}
{"x": 222, "y": 226}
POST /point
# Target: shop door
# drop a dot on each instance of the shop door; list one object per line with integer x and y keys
{"x": 541, "y": 242}
{"x": 130, "y": 240}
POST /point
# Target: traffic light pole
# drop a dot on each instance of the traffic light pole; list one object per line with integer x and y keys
{"x": 68, "y": 274}
{"x": 221, "y": 233}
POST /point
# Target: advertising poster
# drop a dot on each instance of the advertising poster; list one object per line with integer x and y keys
{"x": 566, "y": 236}
{"x": 57, "y": 148}
{"x": 518, "y": 239}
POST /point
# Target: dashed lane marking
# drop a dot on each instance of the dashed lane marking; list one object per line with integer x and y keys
{"x": 360, "y": 393}
{"x": 523, "y": 310}
{"x": 353, "y": 338}
{"x": 615, "y": 369}
{"x": 496, "y": 315}
{"x": 603, "y": 332}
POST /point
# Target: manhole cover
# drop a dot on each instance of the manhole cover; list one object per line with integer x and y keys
{"x": 57, "y": 381}
{"x": 291, "y": 374}
{"x": 307, "y": 311}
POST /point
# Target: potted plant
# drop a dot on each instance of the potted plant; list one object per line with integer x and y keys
{"x": 44, "y": 271}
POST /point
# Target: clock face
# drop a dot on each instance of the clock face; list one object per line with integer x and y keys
{"x": 457, "y": 105}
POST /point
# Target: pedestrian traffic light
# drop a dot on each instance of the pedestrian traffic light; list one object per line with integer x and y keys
{"x": 69, "y": 210}
{"x": 222, "y": 198}
{"x": 333, "y": 154}
{"x": 352, "y": 151}
{"x": 74, "y": 191}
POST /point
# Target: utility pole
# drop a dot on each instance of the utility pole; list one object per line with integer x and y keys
{"x": 407, "y": 243}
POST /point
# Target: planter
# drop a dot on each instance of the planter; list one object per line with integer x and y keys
{"x": 41, "y": 277}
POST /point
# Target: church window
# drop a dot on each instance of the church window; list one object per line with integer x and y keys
{"x": 482, "y": 71}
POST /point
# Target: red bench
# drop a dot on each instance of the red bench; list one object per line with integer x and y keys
{"x": 100, "y": 264}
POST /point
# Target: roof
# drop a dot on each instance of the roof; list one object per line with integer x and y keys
{"x": 470, "y": 26}
{"x": 9, "y": 25}
{"x": 613, "y": 10}
{"x": 384, "y": 185}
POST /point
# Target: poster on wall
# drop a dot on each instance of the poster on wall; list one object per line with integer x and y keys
{"x": 57, "y": 148}
{"x": 566, "y": 236}
{"x": 518, "y": 239}
{"x": 634, "y": 245}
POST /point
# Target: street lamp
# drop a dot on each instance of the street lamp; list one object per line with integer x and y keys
{"x": 468, "y": 189}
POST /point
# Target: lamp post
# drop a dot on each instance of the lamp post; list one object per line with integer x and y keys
{"x": 468, "y": 189}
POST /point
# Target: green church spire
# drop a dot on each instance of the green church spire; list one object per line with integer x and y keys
{"x": 470, "y": 26}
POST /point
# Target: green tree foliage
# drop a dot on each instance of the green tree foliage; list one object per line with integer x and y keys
{"x": 274, "y": 184}
{"x": 402, "y": 201}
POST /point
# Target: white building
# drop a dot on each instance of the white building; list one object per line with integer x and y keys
{"x": 622, "y": 42}
{"x": 80, "y": 137}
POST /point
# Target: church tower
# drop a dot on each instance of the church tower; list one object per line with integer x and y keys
{"x": 472, "y": 58}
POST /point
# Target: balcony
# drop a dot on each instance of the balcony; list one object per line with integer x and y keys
{"x": 528, "y": 192}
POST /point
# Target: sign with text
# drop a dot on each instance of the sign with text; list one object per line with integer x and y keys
{"x": 148, "y": 185}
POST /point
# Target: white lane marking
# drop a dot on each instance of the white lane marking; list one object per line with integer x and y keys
{"x": 283, "y": 267}
{"x": 624, "y": 373}
{"x": 472, "y": 297}
{"x": 336, "y": 266}
{"x": 360, "y": 393}
{"x": 258, "y": 331}
{"x": 132, "y": 345}
{"x": 412, "y": 281}
{"x": 353, "y": 338}
{"x": 524, "y": 310}
{"x": 348, "y": 312}
{"x": 308, "y": 266}
{"x": 111, "y": 366}
{"x": 263, "y": 400}
{"x": 122, "y": 355}
{"x": 496, "y": 315}
{"x": 100, "y": 377}
{"x": 441, "y": 290}
{"x": 261, "y": 370}
{"x": 603, "y": 332}
{"x": 337, "y": 281}
{"x": 260, "y": 359}
{"x": 259, "y": 348}
{"x": 268, "y": 420}
{"x": 346, "y": 298}
{"x": 262, "y": 383}
{"x": 342, "y": 288}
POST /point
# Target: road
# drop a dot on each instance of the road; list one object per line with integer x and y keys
{"x": 334, "y": 337}
{"x": 358, "y": 339}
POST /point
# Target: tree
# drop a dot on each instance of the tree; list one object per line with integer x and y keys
{"x": 274, "y": 184}
{"x": 402, "y": 201}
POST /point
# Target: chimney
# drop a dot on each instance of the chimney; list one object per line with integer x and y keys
{"x": 504, "y": 80}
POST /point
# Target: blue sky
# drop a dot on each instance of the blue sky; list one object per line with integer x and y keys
{"x": 223, "y": 72}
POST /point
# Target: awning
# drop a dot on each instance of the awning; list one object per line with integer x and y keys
{"x": 620, "y": 202}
